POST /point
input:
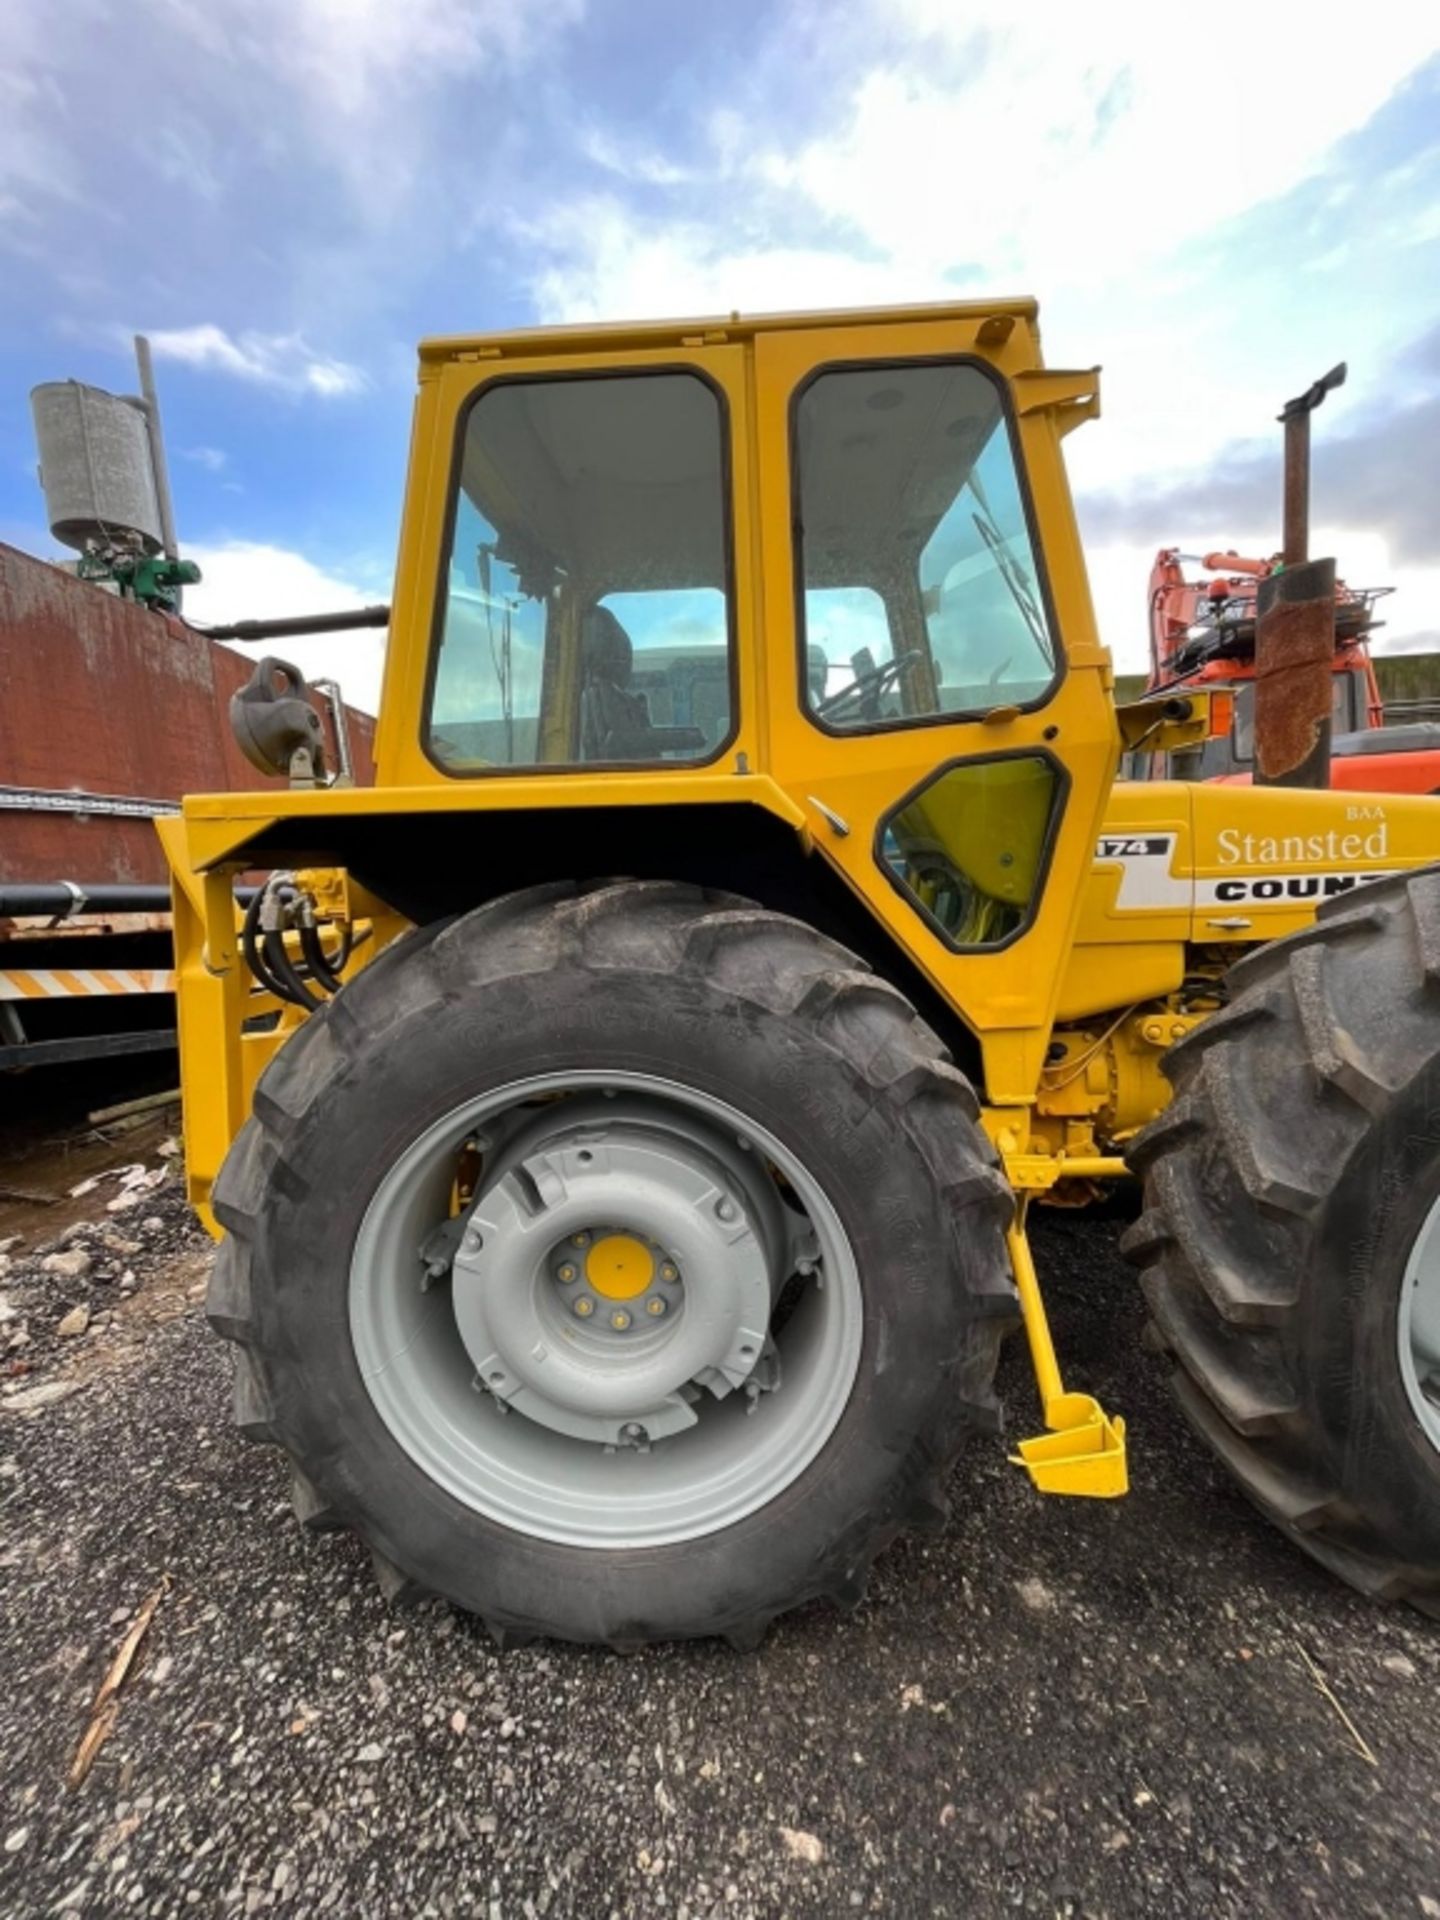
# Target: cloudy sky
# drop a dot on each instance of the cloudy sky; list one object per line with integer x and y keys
{"x": 1215, "y": 203}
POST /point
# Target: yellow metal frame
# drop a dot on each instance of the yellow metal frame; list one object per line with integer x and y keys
{"x": 1112, "y": 939}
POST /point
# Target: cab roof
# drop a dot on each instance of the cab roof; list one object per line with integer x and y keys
{"x": 616, "y": 335}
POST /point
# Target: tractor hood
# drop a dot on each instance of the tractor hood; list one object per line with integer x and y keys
{"x": 1246, "y": 863}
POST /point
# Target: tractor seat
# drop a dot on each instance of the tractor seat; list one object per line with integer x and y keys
{"x": 615, "y": 721}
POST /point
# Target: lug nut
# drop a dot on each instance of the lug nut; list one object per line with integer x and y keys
{"x": 724, "y": 1209}
{"x": 579, "y": 1239}
{"x": 565, "y": 1273}
{"x": 655, "y": 1305}
{"x": 669, "y": 1271}
{"x": 620, "y": 1319}
{"x": 584, "y": 1306}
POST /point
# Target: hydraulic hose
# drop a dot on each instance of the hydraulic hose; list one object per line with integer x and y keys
{"x": 282, "y": 969}
{"x": 265, "y": 955}
{"x": 277, "y": 907}
{"x": 322, "y": 971}
{"x": 250, "y": 944}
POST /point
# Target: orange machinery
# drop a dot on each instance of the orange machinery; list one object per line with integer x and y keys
{"x": 1202, "y": 635}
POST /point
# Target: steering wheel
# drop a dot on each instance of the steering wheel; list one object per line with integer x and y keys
{"x": 865, "y": 690}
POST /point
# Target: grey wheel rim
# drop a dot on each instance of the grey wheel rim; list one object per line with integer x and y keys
{"x": 1419, "y": 1327}
{"x": 678, "y": 1402}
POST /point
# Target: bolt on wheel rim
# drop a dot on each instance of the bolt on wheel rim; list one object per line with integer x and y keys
{"x": 1418, "y": 1327}
{"x": 677, "y": 1401}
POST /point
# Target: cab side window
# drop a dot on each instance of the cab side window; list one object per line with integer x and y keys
{"x": 920, "y": 592}
{"x": 587, "y": 618}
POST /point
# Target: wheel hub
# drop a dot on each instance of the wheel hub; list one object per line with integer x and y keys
{"x": 418, "y": 1271}
{"x": 613, "y": 1269}
{"x": 616, "y": 1280}
{"x": 620, "y": 1266}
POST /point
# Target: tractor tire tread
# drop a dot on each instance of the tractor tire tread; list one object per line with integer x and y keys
{"x": 1273, "y": 1097}
{"x": 746, "y": 952}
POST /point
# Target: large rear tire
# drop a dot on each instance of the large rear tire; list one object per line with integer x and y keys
{"x": 792, "y": 1209}
{"x": 1291, "y": 1235}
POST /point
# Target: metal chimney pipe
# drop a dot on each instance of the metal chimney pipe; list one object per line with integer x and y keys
{"x": 1295, "y": 626}
{"x": 157, "y": 446}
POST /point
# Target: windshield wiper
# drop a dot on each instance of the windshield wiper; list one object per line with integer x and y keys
{"x": 1021, "y": 591}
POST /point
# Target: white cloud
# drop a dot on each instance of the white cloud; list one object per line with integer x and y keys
{"x": 251, "y": 580}
{"x": 36, "y": 164}
{"x": 629, "y": 162}
{"x": 357, "y": 85}
{"x": 601, "y": 263}
{"x": 281, "y": 360}
{"x": 212, "y": 459}
{"x": 181, "y": 153}
{"x": 1067, "y": 139}
{"x": 1056, "y": 151}
{"x": 353, "y": 54}
{"x": 348, "y": 57}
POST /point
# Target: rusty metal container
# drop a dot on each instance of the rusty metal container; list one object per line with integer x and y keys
{"x": 104, "y": 707}
{"x": 109, "y": 714}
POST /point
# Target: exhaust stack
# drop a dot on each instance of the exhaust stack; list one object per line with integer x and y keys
{"x": 1295, "y": 626}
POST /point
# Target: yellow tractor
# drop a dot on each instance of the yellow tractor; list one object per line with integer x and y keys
{"x": 621, "y": 1120}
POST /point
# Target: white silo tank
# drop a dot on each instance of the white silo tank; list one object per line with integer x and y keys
{"x": 95, "y": 466}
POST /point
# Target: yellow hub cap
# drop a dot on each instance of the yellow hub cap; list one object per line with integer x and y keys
{"x": 619, "y": 1266}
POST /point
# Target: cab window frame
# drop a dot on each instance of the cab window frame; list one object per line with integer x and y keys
{"x": 553, "y": 769}
{"x": 1043, "y": 865}
{"x": 958, "y": 716}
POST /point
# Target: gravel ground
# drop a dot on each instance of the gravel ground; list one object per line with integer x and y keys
{"x": 1053, "y": 1708}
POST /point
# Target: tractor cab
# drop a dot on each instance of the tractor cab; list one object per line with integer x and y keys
{"x": 589, "y": 613}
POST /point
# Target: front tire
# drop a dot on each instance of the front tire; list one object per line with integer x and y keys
{"x": 781, "y": 1129}
{"x": 1292, "y": 1235}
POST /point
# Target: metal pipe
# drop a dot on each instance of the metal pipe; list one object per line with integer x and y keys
{"x": 60, "y": 899}
{"x": 157, "y": 446}
{"x": 1295, "y": 625}
{"x": 1295, "y": 534}
{"x": 93, "y": 1046}
{"x": 126, "y": 806}
{"x": 299, "y": 624}
{"x": 340, "y": 727}
{"x": 1295, "y": 418}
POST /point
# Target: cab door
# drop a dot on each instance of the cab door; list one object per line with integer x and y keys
{"x": 938, "y": 705}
